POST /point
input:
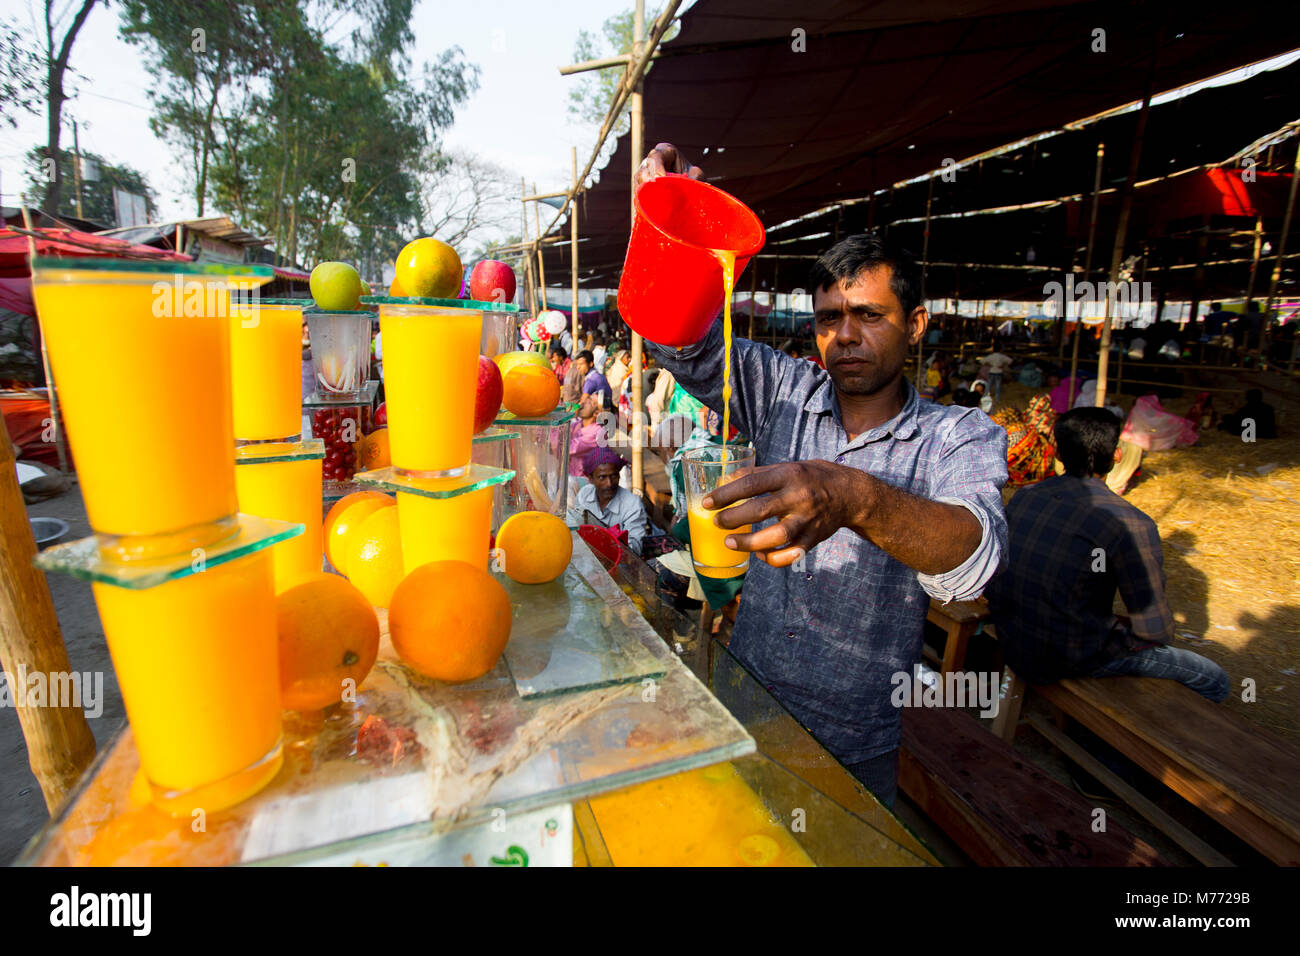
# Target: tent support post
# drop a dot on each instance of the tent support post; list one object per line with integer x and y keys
{"x": 1125, "y": 210}
{"x": 925, "y": 268}
{"x": 1277, "y": 264}
{"x": 638, "y": 151}
{"x": 573, "y": 245}
{"x": 1087, "y": 273}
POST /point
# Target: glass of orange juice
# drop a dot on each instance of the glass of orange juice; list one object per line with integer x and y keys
{"x": 197, "y": 660}
{"x": 445, "y": 529}
{"x": 266, "y": 369}
{"x": 703, "y": 470}
{"x": 282, "y": 480}
{"x": 431, "y": 349}
{"x": 140, "y": 353}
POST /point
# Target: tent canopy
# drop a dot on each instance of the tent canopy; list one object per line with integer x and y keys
{"x": 794, "y": 107}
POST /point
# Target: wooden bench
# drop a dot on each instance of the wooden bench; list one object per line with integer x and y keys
{"x": 959, "y": 620}
{"x": 998, "y": 807}
{"x": 1239, "y": 774}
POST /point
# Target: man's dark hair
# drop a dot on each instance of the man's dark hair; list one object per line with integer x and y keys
{"x": 587, "y": 354}
{"x": 848, "y": 258}
{"x": 559, "y": 350}
{"x": 1252, "y": 306}
{"x": 1086, "y": 439}
{"x": 1216, "y": 306}
{"x": 965, "y": 398}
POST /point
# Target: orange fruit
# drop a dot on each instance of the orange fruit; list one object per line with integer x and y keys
{"x": 450, "y": 620}
{"x": 328, "y": 634}
{"x": 372, "y": 451}
{"x": 534, "y": 547}
{"x": 346, "y": 513}
{"x": 530, "y": 391}
{"x": 374, "y": 556}
{"x": 430, "y": 268}
{"x": 395, "y": 288}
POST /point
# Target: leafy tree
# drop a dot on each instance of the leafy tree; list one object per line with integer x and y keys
{"x": 97, "y": 195}
{"x": 195, "y": 50}
{"x": 58, "y": 52}
{"x": 591, "y": 96}
{"x": 20, "y": 73}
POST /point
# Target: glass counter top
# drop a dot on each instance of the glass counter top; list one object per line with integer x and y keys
{"x": 413, "y": 757}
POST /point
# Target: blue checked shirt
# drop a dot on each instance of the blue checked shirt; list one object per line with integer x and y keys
{"x": 826, "y": 640}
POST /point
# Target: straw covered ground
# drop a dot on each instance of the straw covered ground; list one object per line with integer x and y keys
{"x": 1229, "y": 519}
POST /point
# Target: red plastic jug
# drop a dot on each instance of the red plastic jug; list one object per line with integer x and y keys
{"x": 671, "y": 288}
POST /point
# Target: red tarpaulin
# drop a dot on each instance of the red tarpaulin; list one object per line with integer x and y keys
{"x": 15, "y": 281}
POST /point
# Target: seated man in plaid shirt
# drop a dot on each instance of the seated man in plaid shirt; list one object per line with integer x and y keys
{"x": 1072, "y": 543}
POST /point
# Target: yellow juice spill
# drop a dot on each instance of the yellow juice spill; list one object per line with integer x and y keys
{"x": 706, "y": 817}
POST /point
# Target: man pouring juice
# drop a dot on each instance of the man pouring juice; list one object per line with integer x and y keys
{"x": 866, "y": 501}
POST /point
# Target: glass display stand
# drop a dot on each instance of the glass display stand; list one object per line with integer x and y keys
{"x": 412, "y": 758}
{"x": 476, "y": 477}
{"x": 267, "y": 452}
{"x": 82, "y": 558}
{"x": 365, "y": 397}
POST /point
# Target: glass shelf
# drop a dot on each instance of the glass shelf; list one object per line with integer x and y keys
{"x": 489, "y": 435}
{"x": 476, "y": 478}
{"x": 83, "y": 559}
{"x": 319, "y": 399}
{"x": 440, "y": 303}
{"x": 432, "y": 758}
{"x": 264, "y": 452}
{"x": 560, "y": 416}
{"x": 565, "y": 637}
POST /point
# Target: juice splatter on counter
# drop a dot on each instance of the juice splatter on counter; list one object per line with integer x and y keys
{"x": 707, "y": 817}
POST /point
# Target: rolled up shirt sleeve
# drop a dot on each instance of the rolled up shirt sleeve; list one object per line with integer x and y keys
{"x": 970, "y": 471}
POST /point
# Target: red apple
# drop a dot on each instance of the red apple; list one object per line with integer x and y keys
{"x": 492, "y": 281}
{"x": 487, "y": 403}
{"x": 380, "y": 417}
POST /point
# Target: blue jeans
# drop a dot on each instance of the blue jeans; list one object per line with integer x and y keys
{"x": 879, "y": 775}
{"x": 1172, "y": 663}
{"x": 995, "y": 385}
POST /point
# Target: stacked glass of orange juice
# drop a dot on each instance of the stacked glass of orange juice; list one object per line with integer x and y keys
{"x": 141, "y": 358}
{"x": 277, "y": 475}
{"x": 444, "y": 500}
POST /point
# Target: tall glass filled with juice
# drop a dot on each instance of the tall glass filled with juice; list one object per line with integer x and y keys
{"x": 703, "y": 470}
{"x": 431, "y": 354}
{"x": 283, "y": 481}
{"x": 140, "y": 353}
{"x": 197, "y": 661}
{"x": 445, "y": 529}
{"x": 266, "y": 369}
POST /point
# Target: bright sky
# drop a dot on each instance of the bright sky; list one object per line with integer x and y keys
{"x": 518, "y": 118}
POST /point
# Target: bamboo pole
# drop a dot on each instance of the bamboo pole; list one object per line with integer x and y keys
{"x": 56, "y": 417}
{"x": 638, "y": 152}
{"x": 925, "y": 263}
{"x": 1277, "y": 263}
{"x": 1125, "y": 211}
{"x": 527, "y": 248}
{"x": 1087, "y": 271}
{"x": 573, "y": 243}
{"x": 59, "y": 743}
{"x": 753, "y": 295}
{"x": 541, "y": 266}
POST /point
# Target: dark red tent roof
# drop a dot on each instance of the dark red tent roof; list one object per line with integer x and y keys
{"x": 886, "y": 90}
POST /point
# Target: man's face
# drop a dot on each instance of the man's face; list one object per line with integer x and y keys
{"x": 583, "y": 366}
{"x": 555, "y": 360}
{"x": 605, "y": 478}
{"x": 862, "y": 334}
